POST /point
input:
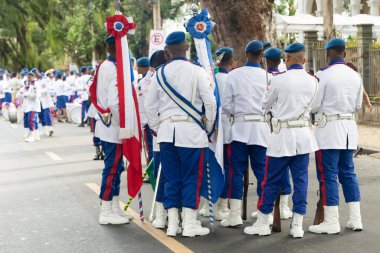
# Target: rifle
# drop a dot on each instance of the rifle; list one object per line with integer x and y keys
{"x": 319, "y": 213}
{"x": 245, "y": 193}
{"x": 276, "y": 215}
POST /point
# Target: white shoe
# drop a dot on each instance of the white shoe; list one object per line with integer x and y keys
{"x": 285, "y": 212}
{"x": 260, "y": 227}
{"x": 173, "y": 225}
{"x": 161, "y": 216}
{"x": 191, "y": 226}
{"x": 330, "y": 224}
{"x": 46, "y": 130}
{"x": 355, "y": 221}
{"x": 107, "y": 216}
{"x": 117, "y": 209}
{"x": 296, "y": 226}
{"x": 51, "y": 131}
{"x": 222, "y": 211}
{"x": 234, "y": 218}
{"x": 204, "y": 211}
{"x": 26, "y": 133}
{"x": 255, "y": 214}
{"x": 30, "y": 137}
{"x": 37, "y": 135}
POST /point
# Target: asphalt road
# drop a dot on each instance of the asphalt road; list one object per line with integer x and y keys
{"x": 48, "y": 203}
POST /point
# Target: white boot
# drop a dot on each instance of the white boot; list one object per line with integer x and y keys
{"x": 285, "y": 212}
{"x": 26, "y": 133}
{"x": 117, "y": 209}
{"x": 255, "y": 215}
{"x": 260, "y": 227}
{"x": 46, "y": 130}
{"x": 234, "y": 218}
{"x": 107, "y": 216}
{"x": 51, "y": 131}
{"x": 355, "y": 222}
{"x": 330, "y": 224}
{"x": 296, "y": 226}
{"x": 37, "y": 135}
{"x": 173, "y": 225}
{"x": 161, "y": 216}
{"x": 191, "y": 226}
{"x": 204, "y": 211}
{"x": 30, "y": 137}
{"x": 222, "y": 210}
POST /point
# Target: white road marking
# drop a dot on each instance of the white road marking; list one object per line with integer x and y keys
{"x": 159, "y": 235}
{"x": 53, "y": 156}
{"x": 14, "y": 126}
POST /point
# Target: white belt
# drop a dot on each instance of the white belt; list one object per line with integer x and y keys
{"x": 295, "y": 123}
{"x": 178, "y": 118}
{"x": 249, "y": 118}
{"x": 342, "y": 116}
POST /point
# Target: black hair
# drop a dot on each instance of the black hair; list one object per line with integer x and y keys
{"x": 226, "y": 59}
{"x": 339, "y": 50}
{"x": 256, "y": 53}
{"x": 274, "y": 61}
{"x": 160, "y": 58}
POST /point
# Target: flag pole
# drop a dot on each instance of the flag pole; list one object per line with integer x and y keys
{"x": 155, "y": 193}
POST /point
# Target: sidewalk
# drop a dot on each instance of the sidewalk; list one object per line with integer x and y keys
{"x": 369, "y": 137}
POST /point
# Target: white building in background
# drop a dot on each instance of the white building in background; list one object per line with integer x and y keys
{"x": 356, "y": 7}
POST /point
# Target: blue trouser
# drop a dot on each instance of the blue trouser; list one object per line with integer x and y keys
{"x": 334, "y": 164}
{"x": 161, "y": 185}
{"x": 30, "y": 121}
{"x": 95, "y": 140}
{"x": 286, "y": 187}
{"x": 240, "y": 152}
{"x": 183, "y": 169}
{"x": 148, "y": 137}
{"x": 46, "y": 117}
{"x": 227, "y": 172}
{"x": 113, "y": 167}
{"x": 8, "y": 97}
{"x": 84, "y": 109}
{"x": 275, "y": 169}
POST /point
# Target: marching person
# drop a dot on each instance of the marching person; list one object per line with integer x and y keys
{"x": 61, "y": 88}
{"x": 83, "y": 82}
{"x": 242, "y": 95}
{"x": 107, "y": 130}
{"x": 291, "y": 94}
{"x": 173, "y": 107}
{"x": 46, "y": 103}
{"x": 273, "y": 60}
{"x": 339, "y": 97}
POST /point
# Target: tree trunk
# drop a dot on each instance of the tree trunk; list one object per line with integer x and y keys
{"x": 240, "y": 21}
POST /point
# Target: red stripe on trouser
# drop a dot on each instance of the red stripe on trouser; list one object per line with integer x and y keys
{"x": 200, "y": 174}
{"x": 261, "y": 200}
{"x": 231, "y": 170}
{"x": 323, "y": 180}
{"x": 31, "y": 121}
{"x": 112, "y": 173}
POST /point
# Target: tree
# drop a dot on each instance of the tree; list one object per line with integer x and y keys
{"x": 239, "y": 21}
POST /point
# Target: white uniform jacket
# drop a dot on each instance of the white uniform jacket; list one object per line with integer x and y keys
{"x": 46, "y": 101}
{"x": 83, "y": 83}
{"x": 290, "y": 93}
{"x": 61, "y": 87}
{"x": 30, "y": 97}
{"x": 221, "y": 78}
{"x": 242, "y": 96}
{"x": 142, "y": 89}
{"x": 340, "y": 92}
{"x": 159, "y": 107}
{"x": 108, "y": 97}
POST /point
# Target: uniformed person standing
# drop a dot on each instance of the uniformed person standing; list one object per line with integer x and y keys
{"x": 292, "y": 95}
{"x": 84, "y": 82}
{"x": 241, "y": 100}
{"x": 340, "y": 96}
{"x": 173, "y": 107}
{"x": 108, "y": 131}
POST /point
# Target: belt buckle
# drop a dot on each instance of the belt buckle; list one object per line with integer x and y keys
{"x": 106, "y": 118}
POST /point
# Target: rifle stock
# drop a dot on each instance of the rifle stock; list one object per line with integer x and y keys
{"x": 276, "y": 215}
{"x": 319, "y": 213}
{"x": 245, "y": 193}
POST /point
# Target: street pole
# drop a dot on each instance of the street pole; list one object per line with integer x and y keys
{"x": 328, "y": 19}
{"x": 156, "y": 14}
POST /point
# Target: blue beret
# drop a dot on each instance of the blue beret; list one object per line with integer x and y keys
{"x": 143, "y": 62}
{"x": 2, "y": 70}
{"x": 335, "y": 43}
{"x": 25, "y": 69}
{"x": 30, "y": 74}
{"x": 295, "y": 48}
{"x": 254, "y": 46}
{"x": 273, "y": 53}
{"x": 34, "y": 69}
{"x": 152, "y": 58}
{"x": 109, "y": 40}
{"x": 83, "y": 68}
{"x": 90, "y": 67}
{"x": 42, "y": 73}
{"x": 58, "y": 73}
{"x": 175, "y": 38}
{"x": 267, "y": 44}
{"x": 226, "y": 50}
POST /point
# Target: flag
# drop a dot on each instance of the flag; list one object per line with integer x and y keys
{"x": 130, "y": 133}
{"x": 199, "y": 27}
{"x": 150, "y": 171}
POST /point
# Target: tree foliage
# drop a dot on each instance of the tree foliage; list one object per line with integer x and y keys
{"x": 53, "y": 33}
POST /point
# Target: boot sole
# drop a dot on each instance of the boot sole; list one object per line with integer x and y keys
{"x": 325, "y": 233}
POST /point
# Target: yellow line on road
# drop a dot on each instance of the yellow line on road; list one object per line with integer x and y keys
{"x": 53, "y": 156}
{"x": 159, "y": 235}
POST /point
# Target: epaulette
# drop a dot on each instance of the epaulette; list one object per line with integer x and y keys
{"x": 279, "y": 73}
